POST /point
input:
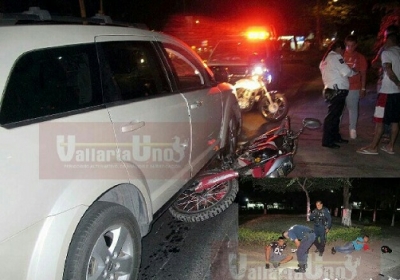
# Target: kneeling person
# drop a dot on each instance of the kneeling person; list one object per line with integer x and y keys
{"x": 274, "y": 253}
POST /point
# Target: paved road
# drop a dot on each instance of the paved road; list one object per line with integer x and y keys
{"x": 181, "y": 251}
{"x": 303, "y": 85}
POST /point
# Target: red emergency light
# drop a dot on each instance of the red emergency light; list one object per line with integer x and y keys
{"x": 257, "y": 34}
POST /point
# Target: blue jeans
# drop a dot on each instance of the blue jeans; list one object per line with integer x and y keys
{"x": 347, "y": 248}
{"x": 302, "y": 251}
{"x": 352, "y": 100}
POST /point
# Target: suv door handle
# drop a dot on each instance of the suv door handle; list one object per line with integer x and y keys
{"x": 196, "y": 104}
{"x": 132, "y": 127}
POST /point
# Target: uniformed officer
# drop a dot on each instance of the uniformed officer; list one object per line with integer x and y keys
{"x": 335, "y": 76}
{"x": 322, "y": 224}
{"x": 303, "y": 237}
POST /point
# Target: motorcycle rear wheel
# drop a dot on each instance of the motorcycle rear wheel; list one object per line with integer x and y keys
{"x": 281, "y": 111}
{"x": 196, "y": 207}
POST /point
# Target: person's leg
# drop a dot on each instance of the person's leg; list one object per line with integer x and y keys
{"x": 327, "y": 137}
{"x": 379, "y": 115}
{"x": 373, "y": 147}
{"x": 393, "y": 135}
{"x": 332, "y": 121}
{"x": 345, "y": 249}
{"x": 286, "y": 259}
{"x": 323, "y": 241}
{"x": 317, "y": 242}
{"x": 352, "y": 101}
{"x": 392, "y": 116}
{"x": 302, "y": 251}
{"x": 339, "y": 102}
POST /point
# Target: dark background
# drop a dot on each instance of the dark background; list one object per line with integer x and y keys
{"x": 288, "y": 16}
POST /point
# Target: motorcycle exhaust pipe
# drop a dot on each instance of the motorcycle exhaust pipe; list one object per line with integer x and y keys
{"x": 214, "y": 179}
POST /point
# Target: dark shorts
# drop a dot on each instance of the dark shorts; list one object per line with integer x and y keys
{"x": 387, "y": 109}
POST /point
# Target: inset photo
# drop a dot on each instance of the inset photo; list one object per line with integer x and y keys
{"x": 319, "y": 228}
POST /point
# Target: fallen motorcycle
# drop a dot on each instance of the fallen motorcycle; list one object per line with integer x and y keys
{"x": 252, "y": 90}
{"x": 270, "y": 155}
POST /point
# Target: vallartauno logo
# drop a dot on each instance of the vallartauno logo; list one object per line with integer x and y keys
{"x": 97, "y": 151}
{"x": 141, "y": 149}
{"x": 240, "y": 269}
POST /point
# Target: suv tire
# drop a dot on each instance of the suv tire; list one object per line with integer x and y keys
{"x": 106, "y": 241}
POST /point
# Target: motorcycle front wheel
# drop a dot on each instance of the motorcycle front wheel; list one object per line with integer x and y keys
{"x": 275, "y": 111}
{"x": 191, "y": 206}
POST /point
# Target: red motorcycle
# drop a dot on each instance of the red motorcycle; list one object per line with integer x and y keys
{"x": 270, "y": 155}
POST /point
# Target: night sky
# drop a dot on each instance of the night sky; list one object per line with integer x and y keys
{"x": 155, "y": 13}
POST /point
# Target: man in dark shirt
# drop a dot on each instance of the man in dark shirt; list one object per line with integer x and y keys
{"x": 303, "y": 237}
{"x": 274, "y": 253}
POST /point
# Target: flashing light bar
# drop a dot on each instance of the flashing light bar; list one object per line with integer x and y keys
{"x": 258, "y": 35}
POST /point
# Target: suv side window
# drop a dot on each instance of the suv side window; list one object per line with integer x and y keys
{"x": 131, "y": 70}
{"x": 185, "y": 69}
{"x": 51, "y": 81}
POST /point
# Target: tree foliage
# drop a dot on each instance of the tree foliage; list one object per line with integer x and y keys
{"x": 298, "y": 184}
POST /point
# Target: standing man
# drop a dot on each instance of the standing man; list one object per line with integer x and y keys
{"x": 322, "y": 224}
{"x": 387, "y": 109}
{"x": 357, "y": 90}
{"x": 274, "y": 253}
{"x": 335, "y": 76}
{"x": 303, "y": 237}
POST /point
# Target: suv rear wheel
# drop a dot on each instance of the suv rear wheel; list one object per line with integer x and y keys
{"x": 105, "y": 245}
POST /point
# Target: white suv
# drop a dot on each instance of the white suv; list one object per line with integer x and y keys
{"x": 102, "y": 128}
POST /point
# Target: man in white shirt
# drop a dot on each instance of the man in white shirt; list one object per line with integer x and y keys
{"x": 387, "y": 109}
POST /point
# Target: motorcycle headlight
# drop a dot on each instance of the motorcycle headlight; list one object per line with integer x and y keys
{"x": 258, "y": 70}
{"x": 262, "y": 71}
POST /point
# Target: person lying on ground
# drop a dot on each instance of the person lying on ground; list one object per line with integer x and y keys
{"x": 355, "y": 245}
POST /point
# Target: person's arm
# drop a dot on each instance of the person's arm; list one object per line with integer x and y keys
{"x": 297, "y": 242}
{"x": 387, "y": 67}
{"x": 344, "y": 69}
{"x": 267, "y": 253}
{"x": 312, "y": 215}
{"x": 328, "y": 220}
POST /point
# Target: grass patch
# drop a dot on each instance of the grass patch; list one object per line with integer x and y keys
{"x": 262, "y": 230}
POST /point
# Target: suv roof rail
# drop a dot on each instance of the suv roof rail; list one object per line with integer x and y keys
{"x": 37, "y": 15}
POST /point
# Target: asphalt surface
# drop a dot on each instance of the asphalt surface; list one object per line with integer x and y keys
{"x": 303, "y": 87}
{"x": 201, "y": 251}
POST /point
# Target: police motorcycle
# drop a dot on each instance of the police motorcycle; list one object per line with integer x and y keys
{"x": 269, "y": 155}
{"x": 252, "y": 90}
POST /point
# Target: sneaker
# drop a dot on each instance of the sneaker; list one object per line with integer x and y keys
{"x": 267, "y": 266}
{"x": 333, "y": 251}
{"x": 276, "y": 265}
{"x": 353, "y": 134}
